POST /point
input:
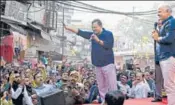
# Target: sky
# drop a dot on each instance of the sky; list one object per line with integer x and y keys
{"x": 110, "y": 20}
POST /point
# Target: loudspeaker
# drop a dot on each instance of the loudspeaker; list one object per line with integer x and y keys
{"x": 55, "y": 97}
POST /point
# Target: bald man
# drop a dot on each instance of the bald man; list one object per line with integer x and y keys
{"x": 165, "y": 50}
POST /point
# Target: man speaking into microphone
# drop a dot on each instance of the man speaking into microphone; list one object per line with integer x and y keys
{"x": 102, "y": 55}
{"x": 165, "y": 50}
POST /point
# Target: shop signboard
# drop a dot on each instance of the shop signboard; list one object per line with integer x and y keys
{"x": 16, "y": 11}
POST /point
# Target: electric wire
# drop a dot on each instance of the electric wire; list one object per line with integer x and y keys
{"x": 91, "y": 6}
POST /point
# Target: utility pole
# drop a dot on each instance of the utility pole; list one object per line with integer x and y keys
{"x": 48, "y": 13}
{"x": 53, "y": 13}
{"x": 133, "y": 16}
{"x": 63, "y": 34}
{"x": 133, "y": 21}
{"x": 133, "y": 12}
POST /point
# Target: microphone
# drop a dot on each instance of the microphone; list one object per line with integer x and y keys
{"x": 91, "y": 36}
{"x": 155, "y": 25}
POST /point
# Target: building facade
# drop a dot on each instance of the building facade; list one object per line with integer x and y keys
{"x": 31, "y": 28}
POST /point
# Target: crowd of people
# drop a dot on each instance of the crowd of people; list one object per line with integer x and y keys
{"x": 25, "y": 84}
{"x": 22, "y": 85}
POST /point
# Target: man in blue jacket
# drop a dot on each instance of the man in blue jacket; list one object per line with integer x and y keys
{"x": 165, "y": 50}
{"x": 102, "y": 55}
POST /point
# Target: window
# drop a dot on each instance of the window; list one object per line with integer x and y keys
{"x": 4, "y": 29}
{"x": 23, "y": 1}
{"x": 2, "y": 8}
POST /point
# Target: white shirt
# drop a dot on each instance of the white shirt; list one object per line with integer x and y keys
{"x": 27, "y": 100}
{"x": 140, "y": 90}
{"x": 124, "y": 88}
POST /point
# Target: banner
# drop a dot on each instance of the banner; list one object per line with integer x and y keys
{"x": 16, "y": 10}
{"x": 7, "y": 49}
{"x": 20, "y": 41}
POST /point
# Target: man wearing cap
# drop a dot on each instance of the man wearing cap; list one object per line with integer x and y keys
{"x": 102, "y": 55}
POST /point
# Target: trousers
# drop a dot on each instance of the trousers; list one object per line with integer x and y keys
{"x": 158, "y": 81}
{"x": 106, "y": 79}
{"x": 168, "y": 71}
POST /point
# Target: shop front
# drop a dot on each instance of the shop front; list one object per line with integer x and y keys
{"x": 13, "y": 46}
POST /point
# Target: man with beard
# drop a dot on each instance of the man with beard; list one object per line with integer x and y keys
{"x": 30, "y": 91}
{"x": 19, "y": 92}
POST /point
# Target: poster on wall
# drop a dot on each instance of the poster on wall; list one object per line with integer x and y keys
{"x": 20, "y": 41}
{"x": 6, "y": 48}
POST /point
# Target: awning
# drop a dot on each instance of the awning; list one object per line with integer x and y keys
{"x": 14, "y": 27}
{"x": 34, "y": 26}
{"x": 12, "y": 20}
{"x": 17, "y": 28}
{"x": 43, "y": 34}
